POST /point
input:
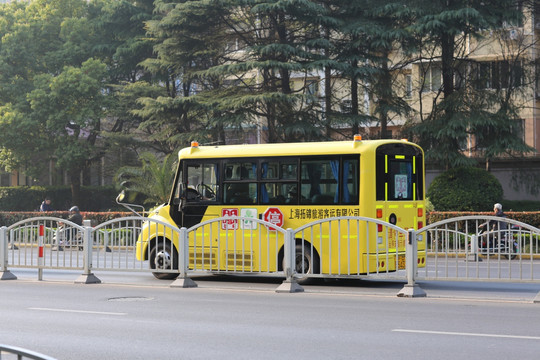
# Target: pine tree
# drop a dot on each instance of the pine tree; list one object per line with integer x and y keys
{"x": 461, "y": 109}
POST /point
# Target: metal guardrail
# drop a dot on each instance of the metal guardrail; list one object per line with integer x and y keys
{"x": 22, "y": 353}
{"x": 449, "y": 250}
{"x": 507, "y": 251}
{"x": 111, "y": 246}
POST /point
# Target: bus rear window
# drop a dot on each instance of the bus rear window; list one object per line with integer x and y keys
{"x": 399, "y": 173}
{"x": 401, "y": 180}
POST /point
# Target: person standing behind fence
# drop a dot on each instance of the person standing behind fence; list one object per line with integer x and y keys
{"x": 46, "y": 205}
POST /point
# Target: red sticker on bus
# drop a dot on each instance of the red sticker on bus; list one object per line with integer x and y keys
{"x": 273, "y": 215}
{"x": 229, "y": 224}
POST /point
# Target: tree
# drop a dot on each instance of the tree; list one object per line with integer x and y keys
{"x": 69, "y": 108}
{"x": 30, "y": 43}
{"x": 388, "y": 48}
{"x": 240, "y": 57}
{"x": 462, "y": 110}
{"x": 153, "y": 179}
{"x": 123, "y": 45}
{"x": 44, "y": 46}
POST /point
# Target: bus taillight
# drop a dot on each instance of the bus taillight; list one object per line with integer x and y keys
{"x": 420, "y": 225}
{"x": 420, "y": 212}
{"x": 379, "y": 213}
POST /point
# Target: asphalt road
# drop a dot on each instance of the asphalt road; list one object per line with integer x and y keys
{"x": 244, "y": 318}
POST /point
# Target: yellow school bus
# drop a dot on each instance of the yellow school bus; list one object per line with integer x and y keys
{"x": 291, "y": 185}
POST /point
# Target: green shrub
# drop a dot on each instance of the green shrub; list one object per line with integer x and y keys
{"x": 8, "y": 218}
{"x": 521, "y": 205}
{"x": 530, "y": 218}
{"x": 24, "y": 198}
{"x": 465, "y": 189}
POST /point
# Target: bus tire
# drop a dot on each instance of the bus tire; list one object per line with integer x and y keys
{"x": 305, "y": 264}
{"x": 162, "y": 257}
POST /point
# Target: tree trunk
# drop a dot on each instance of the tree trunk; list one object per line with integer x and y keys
{"x": 75, "y": 181}
{"x": 384, "y": 96}
{"x": 328, "y": 100}
{"x": 447, "y": 48}
{"x": 354, "y": 102}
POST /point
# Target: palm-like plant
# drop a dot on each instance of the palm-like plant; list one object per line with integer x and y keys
{"x": 153, "y": 179}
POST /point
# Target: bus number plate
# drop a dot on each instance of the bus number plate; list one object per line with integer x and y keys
{"x": 401, "y": 262}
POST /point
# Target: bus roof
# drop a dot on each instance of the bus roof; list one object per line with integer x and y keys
{"x": 285, "y": 149}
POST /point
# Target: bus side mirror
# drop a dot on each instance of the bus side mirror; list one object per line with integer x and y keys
{"x": 120, "y": 201}
{"x": 121, "y": 197}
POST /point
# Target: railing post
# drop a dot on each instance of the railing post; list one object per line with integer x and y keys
{"x": 289, "y": 248}
{"x": 41, "y": 248}
{"x": 87, "y": 277}
{"x": 183, "y": 281}
{"x": 411, "y": 263}
{"x": 5, "y": 274}
{"x": 474, "y": 249}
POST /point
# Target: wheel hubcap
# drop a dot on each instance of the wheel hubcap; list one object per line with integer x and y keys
{"x": 302, "y": 264}
{"x": 163, "y": 260}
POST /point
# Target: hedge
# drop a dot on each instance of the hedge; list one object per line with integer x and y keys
{"x": 531, "y": 218}
{"x": 8, "y": 218}
{"x": 24, "y": 198}
{"x": 465, "y": 189}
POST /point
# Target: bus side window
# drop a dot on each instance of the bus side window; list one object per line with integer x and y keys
{"x": 319, "y": 181}
{"x": 239, "y": 191}
{"x": 350, "y": 181}
{"x": 279, "y": 182}
{"x": 202, "y": 182}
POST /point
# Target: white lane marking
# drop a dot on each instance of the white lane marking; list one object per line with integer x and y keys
{"x": 79, "y": 311}
{"x": 467, "y": 334}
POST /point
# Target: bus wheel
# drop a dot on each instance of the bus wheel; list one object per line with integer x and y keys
{"x": 305, "y": 264}
{"x": 163, "y": 258}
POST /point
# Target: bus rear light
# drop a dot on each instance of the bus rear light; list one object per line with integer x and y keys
{"x": 379, "y": 213}
{"x": 379, "y": 227}
{"x": 194, "y": 144}
{"x": 420, "y": 225}
{"x": 420, "y": 212}
{"x": 357, "y": 137}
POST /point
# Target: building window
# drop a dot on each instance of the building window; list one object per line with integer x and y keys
{"x": 432, "y": 80}
{"x": 408, "y": 86}
{"x": 346, "y": 106}
{"x": 499, "y": 75}
{"x": 312, "y": 91}
{"x": 537, "y": 79}
{"x": 5, "y": 179}
{"x": 312, "y": 87}
{"x": 519, "y": 129}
